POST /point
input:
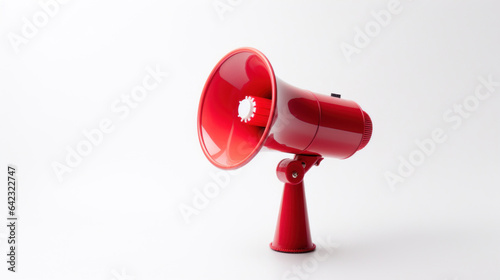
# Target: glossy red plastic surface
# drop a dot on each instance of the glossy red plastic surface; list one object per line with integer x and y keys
{"x": 299, "y": 122}
{"x": 340, "y": 129}
{"x": 226, "y": 141}
{"x": 292, "y": 233}
{"x": 293, "y": 120}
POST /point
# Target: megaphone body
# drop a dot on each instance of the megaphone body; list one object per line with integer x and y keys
{"x": 315, "y": 124}
{"x": 245, "y": 107}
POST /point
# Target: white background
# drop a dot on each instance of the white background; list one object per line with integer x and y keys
{"x": 116, "y": 214}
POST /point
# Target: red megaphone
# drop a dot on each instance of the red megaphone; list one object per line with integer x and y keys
{"x": 244, "y": 107}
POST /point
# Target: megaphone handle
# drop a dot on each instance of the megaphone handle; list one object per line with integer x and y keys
{"x": 292, "y": 231}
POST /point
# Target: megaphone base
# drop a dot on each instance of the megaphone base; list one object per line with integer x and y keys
{"x": 293, "y": 251}
{"x": 292, "y": 231}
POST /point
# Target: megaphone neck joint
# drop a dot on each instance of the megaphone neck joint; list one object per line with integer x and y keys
{"x": 309, "y": 161}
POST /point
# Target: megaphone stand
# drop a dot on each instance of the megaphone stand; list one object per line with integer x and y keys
{"x": 292, "y": 231}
